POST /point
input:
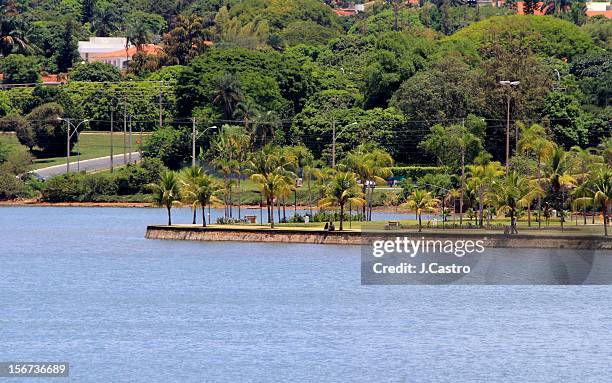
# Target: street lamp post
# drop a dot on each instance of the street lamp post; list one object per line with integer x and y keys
{"x": 508, "y": 84}
{"x": 334, "y": 141}
{"x": 194, "y": 136}
{"x": 68, "y": 137}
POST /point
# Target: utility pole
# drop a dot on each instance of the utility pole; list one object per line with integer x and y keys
{"x": 68, "y": 147}
{"x": 509, "y": 84}
{"x": 130, "y": 142}
{"x": 333, "y": 144}
{"x": 193, "y": 141}
{"x": 111, "y": 141}
{"x": 161, "y": 110}
{"x": 194, "y": 136}
{"x": 124, "y": 132}
{"x": 69, "y": 135}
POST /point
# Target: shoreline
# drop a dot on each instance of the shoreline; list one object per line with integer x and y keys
{"x": 352, "y": 238}
{"x": 385, "y": 209}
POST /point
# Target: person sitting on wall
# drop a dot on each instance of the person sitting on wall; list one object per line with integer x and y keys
{"x": 331, "y": 226}
{"x": 326, "y": 228}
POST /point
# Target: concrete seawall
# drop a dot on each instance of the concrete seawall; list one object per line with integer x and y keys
{"x": 246, "y": 234}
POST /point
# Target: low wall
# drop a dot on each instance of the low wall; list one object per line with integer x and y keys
{"x": 246, "y": 234}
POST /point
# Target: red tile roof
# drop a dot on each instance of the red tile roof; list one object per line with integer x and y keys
{"x": 151, "y": 49}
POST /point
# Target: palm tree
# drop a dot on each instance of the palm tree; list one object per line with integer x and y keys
{"x": 247, "y": 111}
{"x": 482, "y": 175}
{"x": 419, "y": 201}
{"x": 585, "y": 162}
{"x": 605, "y": 150}
{"x": 266, "y": 124}
{"x": 269, "y": 170}
{"x": 559, "y": 178}
{"x": 602, "y": 186}
{"x": 372, "y": 167}
{"x": 343, "y": 189}
{"x": 227, "y": 93}
{"x": 556, "y": 7}
{"x": 464, "y": 140}
{"x": 203, "y": 191}
{"x": 511, "y": 193}
{"x": 167, "y": 192}
{"x": 534, "y": 140}
{"x": 188, "y": 178}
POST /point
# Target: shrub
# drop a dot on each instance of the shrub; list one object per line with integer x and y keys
{"x": 99, "y": 184}
{"x": 96, "y": 71}
{"x": 11, "y": 187}
{"x": 326, "y": 216}
{"x": 65, "y": 188}
{"x": 20, "y": 69}
{"x": 415, "y": 171}
{"x": 133, "y": 179}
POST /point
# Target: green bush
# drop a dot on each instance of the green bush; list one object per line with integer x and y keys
{"x": 415, "y": 171}
{"x": 68, "y": 187}
{"x": 133, "y": 179}
{"x": 11, "y": 187}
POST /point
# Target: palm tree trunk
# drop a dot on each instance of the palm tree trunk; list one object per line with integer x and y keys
{"x": 539, "y": 197}
{"x": 584, "y": 214}
{"x": 529, "y": 215}
{"x": 420, "y": 225}
{"x": 231, "y": 203}
{"x": 239, "y": 198}
{"x": 278, "y": 208}
{"x": 480, "y": 208}
{"x": 194, "y": 209}
{"x": 341, "y": 216}
{"x": 364, "y": 191}
{"x": 271, "y": 205}
{"x": 169, "y": 215}
{"x": 605, "y": 218}
{"x": 203, "y": 215}
{"x": 462, "y": 187}
{"x": 284, "y": 210}
{"x": 309, "y": 195}
{"x": 270, "y": 211}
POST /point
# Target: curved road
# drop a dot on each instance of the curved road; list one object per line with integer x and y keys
{"x": 94, "y": 164}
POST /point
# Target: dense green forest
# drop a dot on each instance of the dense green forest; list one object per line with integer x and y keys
{"x": 292, "y": 71}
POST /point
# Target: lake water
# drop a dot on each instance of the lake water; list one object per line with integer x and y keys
{"x": 83, "y": 285}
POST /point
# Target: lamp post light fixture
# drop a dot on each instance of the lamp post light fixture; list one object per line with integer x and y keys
{"x": 194, "y": 136}
{"x": 69, "y": 135}
{"x": 509, "y": 84}
{"x": 334, "y": 141}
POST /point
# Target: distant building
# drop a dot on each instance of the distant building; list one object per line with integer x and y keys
{"x": 99, "y": 45}
{"x": 595, "y": 8}
{"x": 115, "y": 51}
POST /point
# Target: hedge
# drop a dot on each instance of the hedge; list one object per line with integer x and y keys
{"x": 415, "y": 171}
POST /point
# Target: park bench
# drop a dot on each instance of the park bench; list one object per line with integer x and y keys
{"x": 393, "y": 225}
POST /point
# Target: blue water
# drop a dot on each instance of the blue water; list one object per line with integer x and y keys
{"x": 82, "y": 285}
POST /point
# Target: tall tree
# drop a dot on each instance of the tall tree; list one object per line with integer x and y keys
{"x": 602, "y": 186}
{"x": 534, "y": 140}
{"x": 227, "y": 94}
{"x": 12, "y": 35}
{"x": 186, "y": 40}
{"x": 343, "y": 189}
{"x": 419, "y": 201}
{"x": 167, "y": 192}
{"x": 67, "y": 52}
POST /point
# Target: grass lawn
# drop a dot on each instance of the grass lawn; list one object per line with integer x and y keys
{"x": 91, "y": 145}
{"x": 411, "y": 226}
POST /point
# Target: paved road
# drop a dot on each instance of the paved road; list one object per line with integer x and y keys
{"x": 95, "y": 164}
